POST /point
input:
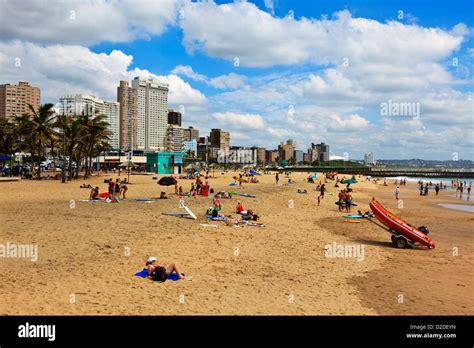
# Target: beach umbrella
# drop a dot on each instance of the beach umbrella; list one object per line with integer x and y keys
{"x": 167, "y": 181}
{"x": 128, "y": 164}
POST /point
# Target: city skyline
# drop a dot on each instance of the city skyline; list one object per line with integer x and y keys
{"x": 290, "y": 83}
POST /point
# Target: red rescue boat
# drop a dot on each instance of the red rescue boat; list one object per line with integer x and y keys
{"x": 402, "y": 232}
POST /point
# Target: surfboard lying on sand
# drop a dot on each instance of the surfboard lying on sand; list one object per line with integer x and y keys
{"x": 344, "y": 204}
{"x": 176, "y": 213}
{"x": 353, "y": 217}
{"x": 351, "y": 220}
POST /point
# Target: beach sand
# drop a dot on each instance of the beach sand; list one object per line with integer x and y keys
{"x": 88, "y": 254}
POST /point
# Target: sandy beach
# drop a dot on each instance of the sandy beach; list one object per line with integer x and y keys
{"x": 89, "y": 253}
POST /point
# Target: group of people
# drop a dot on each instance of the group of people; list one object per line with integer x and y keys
{"x": 344, "y": 200}
{"x": 199, "y": 188}
{"x": 116, "y": 191}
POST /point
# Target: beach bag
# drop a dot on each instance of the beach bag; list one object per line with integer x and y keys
{"x": 214, "y": 212}
{"x": 159, "y": 274}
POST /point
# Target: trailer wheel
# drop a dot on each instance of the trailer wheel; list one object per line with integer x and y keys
{"x": 401, "y": 243}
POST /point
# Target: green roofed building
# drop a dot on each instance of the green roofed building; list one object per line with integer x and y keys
{"x": 164, "y": 162}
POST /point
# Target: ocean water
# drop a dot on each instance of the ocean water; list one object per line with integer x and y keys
{"x": 445, "y": 181}
{"x": 460, "y": 207}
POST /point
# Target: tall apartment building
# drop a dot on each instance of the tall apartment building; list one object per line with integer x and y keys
{"x": 286, "y": 150}
{"x": 190, "y": 146}
{"x": 14, "y": 99}
{"x": 152, "y": 113}
{"x": 220, "y": 139}
{"x": 174, "y": 117}
{"x": 369, "y": 158}
{"x": 190, "y": 133}
{"x": 271, "y": 156}
{"x": 128, "y": 99}
{"x": 174, "y": 138}
{"x": 323, "y": 152}
{"x": 298, "y": 156}
{"x": 80, "y": 104}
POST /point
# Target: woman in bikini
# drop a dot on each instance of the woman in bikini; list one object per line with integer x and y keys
{"x": 161, "y": 272}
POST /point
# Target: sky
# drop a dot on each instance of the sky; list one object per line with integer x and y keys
{"x": 267, "y": 70}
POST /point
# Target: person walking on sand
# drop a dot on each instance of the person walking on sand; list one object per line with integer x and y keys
{"x": 322, "y": 189}
{"x": 437, "y": 189}
{"x": 277, "y": 178}
{"x": 397, "y": 193}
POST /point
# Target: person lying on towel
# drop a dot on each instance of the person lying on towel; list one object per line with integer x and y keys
{"x": 161, "y": 272}
{"x": 94, "y": 195}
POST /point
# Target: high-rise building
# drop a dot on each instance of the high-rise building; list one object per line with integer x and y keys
{"x": 152, "y": 113}
{"x": 271, "y": 156}
{"x": 190, "y": 147}
{"x": 174, "y": 117}
{"x": 369, "y": 158}
{"x": 14, "y": 99}
{"x": 220, "y": 139}
{"x": 286, "y": 150}
{"x": 298, "y": 156}
{"x": 260, "y": 151}
{"x": 128, "y": 99}
{"x": 80, "y": 104}
{"x": 190, "y": 133}
{"x": 323, "y": 152}
{"x": 174, "y": 138}
{"x": 306, "y": 158}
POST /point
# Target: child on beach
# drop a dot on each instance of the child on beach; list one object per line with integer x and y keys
{"x": 397, "y": 193}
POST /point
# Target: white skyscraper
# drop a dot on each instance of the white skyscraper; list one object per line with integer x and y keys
{"x": 369, "y": 158}
{"x": 152, "y": 114}
{"x": 80, "y": 104}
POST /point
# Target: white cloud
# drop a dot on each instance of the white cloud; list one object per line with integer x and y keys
{"x": 84, "y": 21}
{"x": 229, "y": 81}
{"x": 351, "y": 123}
{"x": 64, "y": 69}
{"x": 258, "y": 39}
{"x": 188, "y": 71}
{"x": 239, "y": 121}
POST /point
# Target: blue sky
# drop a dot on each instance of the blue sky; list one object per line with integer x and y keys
{"x": 320, "y": 76}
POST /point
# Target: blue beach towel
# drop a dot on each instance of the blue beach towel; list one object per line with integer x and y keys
{"x": 144, "y": 273}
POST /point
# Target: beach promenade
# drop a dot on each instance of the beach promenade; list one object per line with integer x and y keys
{"x": 88, "y": 253}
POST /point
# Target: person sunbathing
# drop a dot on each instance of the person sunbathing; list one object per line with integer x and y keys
{"x": 94, "y": 195}
{"x": 161, "y": 272}
{"x": 86, "y": 186}
{"x": 163, "y": 195}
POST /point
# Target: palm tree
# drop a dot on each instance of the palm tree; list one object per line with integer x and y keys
{"x": 23, "y": 126}
{"x": 42, "y": 127}
{"x": 96, "y": 133}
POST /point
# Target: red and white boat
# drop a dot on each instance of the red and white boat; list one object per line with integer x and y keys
{"x": 403, "y": 234}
